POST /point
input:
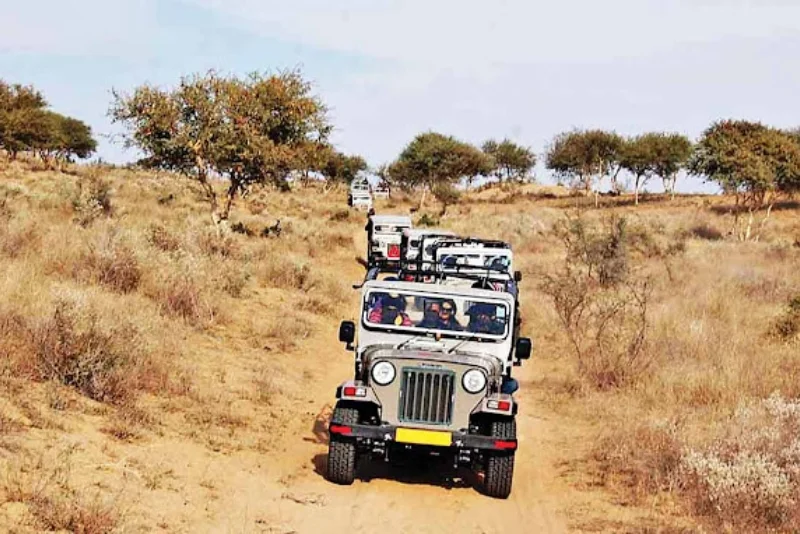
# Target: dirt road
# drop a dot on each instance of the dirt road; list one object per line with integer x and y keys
{"x": 244, "y": 450}
{"x": 285, "y": 491}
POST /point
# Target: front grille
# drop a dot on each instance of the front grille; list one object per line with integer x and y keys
{"x": 427, "y": 396}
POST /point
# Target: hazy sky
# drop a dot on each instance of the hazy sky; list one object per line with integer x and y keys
{"x": 390, "y": 68}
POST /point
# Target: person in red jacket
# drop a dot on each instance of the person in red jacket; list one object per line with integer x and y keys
{"x": 390, "y": 309}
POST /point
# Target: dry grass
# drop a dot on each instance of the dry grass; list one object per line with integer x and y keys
{"x": 125, "y": 311}
{"x": 721, "y": 331}
{"x": 43, "y": 488}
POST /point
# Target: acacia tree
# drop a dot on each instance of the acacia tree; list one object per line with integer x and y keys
{"x": 511, "y": 161}
{"x": 57, "y": 138}
{"x": 20, "y": 117}
{"x": 255, "y": 130}
{"x": 26, "y": 125}
{"x": 754, "y": 162}
{"x": 341, "y": 168}
{"x": 638, "y": 156}
{"x": 433, "y": 162}
{"x": 583, "y": 157}
{"x": 671, "y": 156}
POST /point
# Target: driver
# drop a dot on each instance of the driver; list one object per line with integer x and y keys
{"x": 483, "y": 319}
{"x": 390, "y": 309}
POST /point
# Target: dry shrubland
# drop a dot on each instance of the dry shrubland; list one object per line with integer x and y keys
{"x": 124, "y": 305}
{"x": 115, "y": 285}
{"x": 667, "y": 331}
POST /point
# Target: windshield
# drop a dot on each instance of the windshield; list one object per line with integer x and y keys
{"x": 451, "y": 315}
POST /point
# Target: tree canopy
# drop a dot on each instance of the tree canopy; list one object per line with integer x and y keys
{"x": 26, "y": 125}
{"x": 258, "y": 129}
{"x": 582, "y": 157}
{"x": 672, "y": 153}
{"x": 748, "y": 159}
{"x": 510, "y": 160}
{"x": 432, "y": 161}
{"x": 341, "y": 168}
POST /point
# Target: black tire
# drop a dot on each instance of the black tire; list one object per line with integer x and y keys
{"x": 342, "y": 454}
{"x": 500, "y": 466}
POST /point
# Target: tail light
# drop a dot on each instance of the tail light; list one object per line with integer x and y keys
{"x": 394, "y": 251}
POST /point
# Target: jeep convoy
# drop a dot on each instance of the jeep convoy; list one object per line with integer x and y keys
{"x": 435, "y": 344}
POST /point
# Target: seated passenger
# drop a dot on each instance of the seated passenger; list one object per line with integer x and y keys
{"x": 447, "y": 316}
{"x": 440, "y": 315}
{"x": 390, "y": 309}
{"x": 483, "y": 319}
{"x": 430, "y": 317}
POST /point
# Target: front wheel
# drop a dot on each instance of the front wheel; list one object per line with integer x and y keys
{"x": 500, "y": 466}
{"x": 342, "y": 454}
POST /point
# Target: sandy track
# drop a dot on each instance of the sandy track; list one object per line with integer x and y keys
{"x": 386, "y": 499}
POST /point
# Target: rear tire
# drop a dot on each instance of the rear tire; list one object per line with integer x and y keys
{"x": 342, "y": 454}
{"x": 500, "y": 466}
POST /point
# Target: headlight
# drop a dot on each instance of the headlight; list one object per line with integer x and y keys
{"x": 474, "y": 381}
{"x": 383, "y": 373}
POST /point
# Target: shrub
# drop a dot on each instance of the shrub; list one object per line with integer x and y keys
{"x": 17, "y": 237}
{"x": 72, "y": 347}
{"x": 181, "y": 295}
{"x": 234, "y": 279}
{"x": 340, "y": 216}
{"x": 92, "y": 200}
{"x": 427, "y": 220}
{"x": 73, "y": 515}
{"x": 287, "y": 329}
{"x": 788, "y": 326}
{"x": 705, "y": 231}
{"x": 288, "y": 272}
{"x": 216, "y": 242}
{"x": 604, "y": 312}
{"x": 750, "y": 479}
{"x": 115, "y": 266}
{"x": 160, "y": 237}
{"x": 646, "y": 458}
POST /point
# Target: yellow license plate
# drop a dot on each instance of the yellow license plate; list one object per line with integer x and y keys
{"x": 424, "y": 437}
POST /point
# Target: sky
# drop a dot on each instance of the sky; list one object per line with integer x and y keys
{"x": 390, "y": 69}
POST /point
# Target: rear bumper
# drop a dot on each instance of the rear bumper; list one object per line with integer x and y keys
{"x": 428, "y": 438}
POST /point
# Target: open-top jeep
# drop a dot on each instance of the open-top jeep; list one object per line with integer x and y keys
{"x": 384, "y": 233}
{"x": 430, "y": 365}
{"x": 359, "y": 196}
{"x": 416, "y": 249}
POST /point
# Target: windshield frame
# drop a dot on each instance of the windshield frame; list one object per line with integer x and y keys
{"x": 455, "y": 334}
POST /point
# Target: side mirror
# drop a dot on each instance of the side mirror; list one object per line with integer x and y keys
{"x": 524, "y": 348}
{"x": 518, "y": 276}
{"x": 347, "y": 332}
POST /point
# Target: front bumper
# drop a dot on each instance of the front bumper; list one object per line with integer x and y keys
{"x": 432, "y": 438}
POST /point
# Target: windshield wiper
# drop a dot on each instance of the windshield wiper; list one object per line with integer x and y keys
{"x": 409, "y": 340}
{"x": 457, "y": 345}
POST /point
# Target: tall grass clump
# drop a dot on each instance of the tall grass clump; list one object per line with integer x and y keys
{"x": 74, "y": 346}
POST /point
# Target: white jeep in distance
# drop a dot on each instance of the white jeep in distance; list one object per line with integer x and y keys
{"x": 431, "y": 363}
{"x": 383, "y": 240}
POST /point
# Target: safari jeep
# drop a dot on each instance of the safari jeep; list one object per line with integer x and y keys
{"x": 360, "y": 200}
{"x": 416, "y": 249}
{"x": 431, "y": 363}
{"x": 383, "y": 242}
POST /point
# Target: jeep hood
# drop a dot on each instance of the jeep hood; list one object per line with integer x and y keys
{"x": 491, "y": 364}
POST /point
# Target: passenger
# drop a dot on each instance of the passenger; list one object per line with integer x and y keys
{"x": 483, "y": 319}
{"x": 430, "y": 317}
{"x": 390, "y": 309}
{"x": 447, "y": 316}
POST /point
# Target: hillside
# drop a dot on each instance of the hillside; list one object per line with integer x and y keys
{"x": 160, "y": 375}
